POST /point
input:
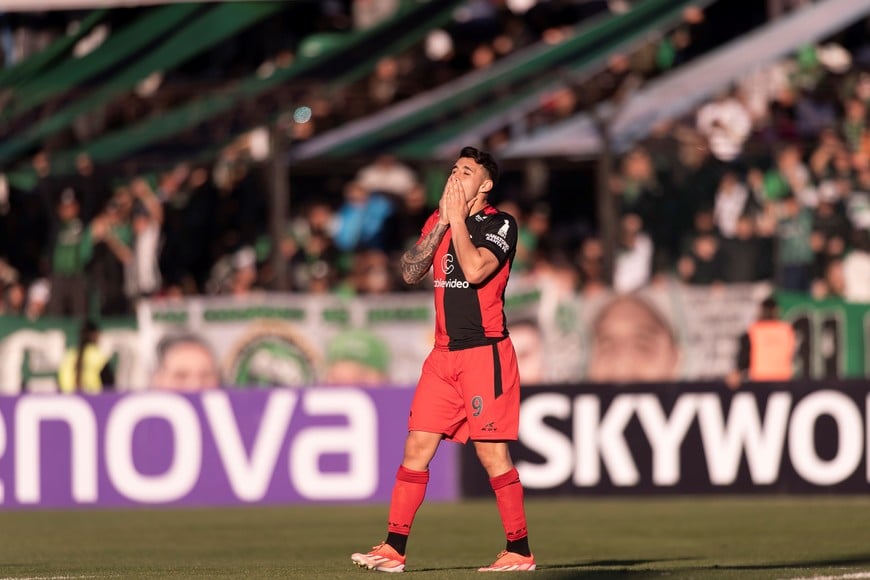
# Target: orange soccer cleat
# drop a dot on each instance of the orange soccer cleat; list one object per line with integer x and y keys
{"x": 510, "y": 562}
{"x": 383, "y": 558}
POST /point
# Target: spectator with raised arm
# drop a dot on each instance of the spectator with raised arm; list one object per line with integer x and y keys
{"x": 71, "y": 250}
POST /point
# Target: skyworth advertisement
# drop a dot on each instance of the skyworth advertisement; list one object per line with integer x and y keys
{"x": 805, "y": 437}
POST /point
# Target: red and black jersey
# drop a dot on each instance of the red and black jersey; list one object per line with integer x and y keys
{"x": 469, "y": 315}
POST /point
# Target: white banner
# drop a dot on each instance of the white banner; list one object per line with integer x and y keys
{"x": 296, "y": 340}
{"x": 664, "y": 333}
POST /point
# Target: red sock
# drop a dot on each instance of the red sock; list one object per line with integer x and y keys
{"x": 408, "y": 493}
{"x": 509, "y": 499}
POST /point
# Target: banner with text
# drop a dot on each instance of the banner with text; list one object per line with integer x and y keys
{"x": 299, "y": 340}
{"x": 31, "y": 352}
{"x": 665, "y": 332}
{"x": 266, "y": 446}
{"x": 806, "y": 437}
{"x": 832, "y": 336}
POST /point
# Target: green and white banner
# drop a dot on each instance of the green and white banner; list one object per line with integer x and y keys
{"x": 665, "y": 333}
{"x": 31, "y": 352}
{"x": 832, "y": 336}
{"x": 298, "y": 340}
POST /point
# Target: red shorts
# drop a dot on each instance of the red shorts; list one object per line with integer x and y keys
{"x": 470, "y": 393}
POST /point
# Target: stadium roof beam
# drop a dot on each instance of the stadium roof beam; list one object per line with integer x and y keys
{"x": 686, "y": 88}
{"x": 414, "y": 127}
{"x": 48, "y": 5}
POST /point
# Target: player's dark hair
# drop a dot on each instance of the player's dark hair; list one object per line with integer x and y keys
{"x": 483, "y": 159}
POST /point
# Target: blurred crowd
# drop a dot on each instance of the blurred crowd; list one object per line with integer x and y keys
{"x": 480, "y": 33}
{"x": 768, "y": 181}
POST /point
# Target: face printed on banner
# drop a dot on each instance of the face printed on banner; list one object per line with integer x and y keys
{"x": 526, "y": 337}
{"x": 357, "y": 357}
{"x": 186, "y": 365}
{"x": 632, "y": 342}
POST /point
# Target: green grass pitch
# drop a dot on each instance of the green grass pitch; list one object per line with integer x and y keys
{"x": 778, "y": 537}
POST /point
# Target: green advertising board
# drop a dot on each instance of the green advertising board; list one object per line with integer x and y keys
{"x": 831, "y": 335}
{"x": 31, "y": 350}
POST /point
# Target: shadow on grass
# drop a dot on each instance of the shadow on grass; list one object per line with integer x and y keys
{"x": 580, "y": 570}
{"x": 622, "y": 569}
{"x": 576, "y": 569}
{"x": 857, "y": 560}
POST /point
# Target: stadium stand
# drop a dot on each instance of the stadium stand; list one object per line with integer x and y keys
{"x": 201, "y": 143}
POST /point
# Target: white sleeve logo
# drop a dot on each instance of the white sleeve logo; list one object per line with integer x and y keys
{"x": 447, "y": 264}
{"x": 498, "y": 238}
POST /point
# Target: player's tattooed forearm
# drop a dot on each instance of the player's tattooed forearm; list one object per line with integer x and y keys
{"x": 416, "y": 261}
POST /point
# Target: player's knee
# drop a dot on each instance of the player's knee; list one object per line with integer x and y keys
{"x": 494, "y": 457}
{"x": 419, "y": 452}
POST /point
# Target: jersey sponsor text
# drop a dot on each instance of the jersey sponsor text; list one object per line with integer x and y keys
{"x": 451, "y": 284}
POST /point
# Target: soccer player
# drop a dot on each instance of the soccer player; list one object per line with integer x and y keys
{"x": 469, "y": 387}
